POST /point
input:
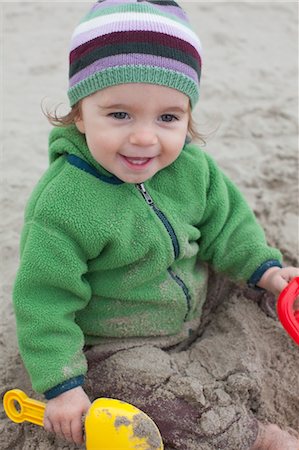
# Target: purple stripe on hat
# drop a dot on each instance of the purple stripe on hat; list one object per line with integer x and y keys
{"x": 132, "y": 26}
{"x": 133, "y": 59}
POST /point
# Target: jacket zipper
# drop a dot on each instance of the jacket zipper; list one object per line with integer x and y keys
{"x": 182, "y": 285}
{"x": 174, "y": 240}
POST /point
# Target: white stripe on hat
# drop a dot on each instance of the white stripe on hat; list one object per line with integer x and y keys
{"x": 135, "y": 18}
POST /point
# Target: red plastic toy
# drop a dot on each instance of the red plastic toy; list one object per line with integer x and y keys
{"x": 288, "y": 316}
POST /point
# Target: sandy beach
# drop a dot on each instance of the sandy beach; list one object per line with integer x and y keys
{"x": 249, "y": 111}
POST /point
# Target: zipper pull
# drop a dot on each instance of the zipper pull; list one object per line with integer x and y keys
{"x": 146, "y": 196}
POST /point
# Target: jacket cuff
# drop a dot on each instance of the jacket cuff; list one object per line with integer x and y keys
{"x": 63, "y": 387}
{"x": 257, "y": 275}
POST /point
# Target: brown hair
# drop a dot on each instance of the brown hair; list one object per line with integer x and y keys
{"x": 62, "y": 121}
{"x": 75, "y": 113}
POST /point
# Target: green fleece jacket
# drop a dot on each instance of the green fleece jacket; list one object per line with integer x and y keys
{"x": 102, "y": 258}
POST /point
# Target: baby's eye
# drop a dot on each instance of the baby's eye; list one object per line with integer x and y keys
{"x": 119, "y": 115}
{"x": 168, "y": 118}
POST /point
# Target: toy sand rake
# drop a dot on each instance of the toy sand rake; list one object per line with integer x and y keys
{"x": 109, "y": 423}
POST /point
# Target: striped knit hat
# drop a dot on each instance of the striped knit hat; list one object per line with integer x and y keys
{"x": 134, "y": 41}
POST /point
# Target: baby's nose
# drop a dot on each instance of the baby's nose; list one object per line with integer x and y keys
{"x": 143, "y": 136}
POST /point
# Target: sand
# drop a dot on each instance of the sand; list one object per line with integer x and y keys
{"x": 248, "y": 108}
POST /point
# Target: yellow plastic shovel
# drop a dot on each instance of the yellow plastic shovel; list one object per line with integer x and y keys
{"x": 109, "y": 423}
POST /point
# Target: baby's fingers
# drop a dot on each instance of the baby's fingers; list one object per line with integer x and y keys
{"x": 296, "y": 304}
{"x": 48, "y": 425}
{"x": 77, "y": 431}
{"x": 288, "y": 273}
{"x": 66, "y": 431}
{"x": 279, "y": 283}
{"x": 282, "y": 277}
{"x": 57, "y": 429}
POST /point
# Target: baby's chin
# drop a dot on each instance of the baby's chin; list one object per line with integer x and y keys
{"x": 135, "y": 180}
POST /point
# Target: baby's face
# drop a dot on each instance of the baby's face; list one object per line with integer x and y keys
{"x": 135, "y": 130}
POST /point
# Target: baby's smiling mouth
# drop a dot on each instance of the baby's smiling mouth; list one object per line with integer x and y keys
{"x": 136, "y": 161}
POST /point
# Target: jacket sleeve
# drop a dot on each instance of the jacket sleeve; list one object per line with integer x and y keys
{"x": 50, "y": 287}
{"x": 232, "y": 240}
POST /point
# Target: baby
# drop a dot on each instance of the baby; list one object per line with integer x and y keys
{"x": 120, "y": 229}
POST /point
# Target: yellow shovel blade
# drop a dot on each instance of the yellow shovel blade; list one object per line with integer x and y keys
{"x": 109, "y": 425}
{"x": 112, "y": 424}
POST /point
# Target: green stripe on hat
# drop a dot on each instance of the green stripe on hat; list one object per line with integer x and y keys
{"x": 134, "y": 74}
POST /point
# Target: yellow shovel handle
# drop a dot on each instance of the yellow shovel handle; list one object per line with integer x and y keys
{"x": 19, "y": 407}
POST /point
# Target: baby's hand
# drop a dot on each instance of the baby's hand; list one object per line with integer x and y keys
{"x": 63, "y": 414}
{"x": 276, "y": 279}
